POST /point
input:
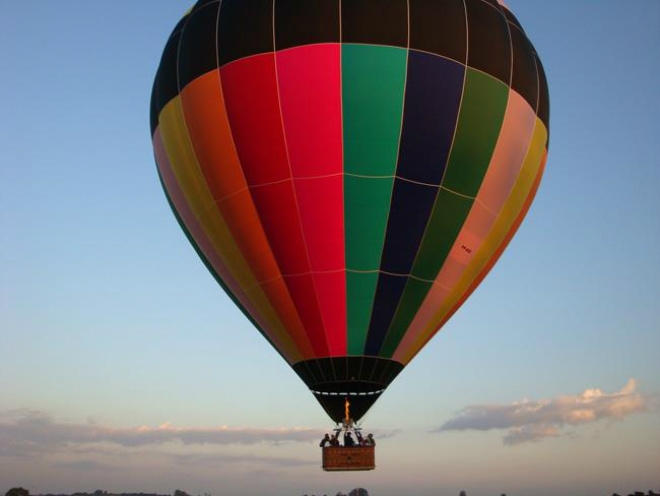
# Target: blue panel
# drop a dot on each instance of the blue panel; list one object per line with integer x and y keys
{"x": 388, "y": 294}
{"x": 433, "y": 94}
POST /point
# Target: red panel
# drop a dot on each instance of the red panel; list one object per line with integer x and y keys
{"x": 309, "y": 80}
{"x": 250, "y": 90}
{"x": 252, "y": 102}
{"x": 278, "y": 212}
{"x": 321, "y": 213}
{"x": 331, "y": 290}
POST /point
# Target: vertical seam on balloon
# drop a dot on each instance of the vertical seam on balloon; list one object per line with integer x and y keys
{"x": 398, "y": 151}
{"x": 275, "y": 338}
{"x": 293, "y": 184}
{"x": 343, "y": 178}
{"x": 249, "y": 190}
{"x": 444, "y": 172}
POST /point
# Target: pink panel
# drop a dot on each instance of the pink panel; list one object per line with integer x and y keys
{"x": 201, "y": 240}
{"x": 510, "y": 152}
{"x": 309, "y": 81}
{"x": 505, "y": 165}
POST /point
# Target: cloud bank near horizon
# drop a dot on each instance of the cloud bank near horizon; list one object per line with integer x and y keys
{"x": 25, "y": 432}
{"x": 533, "y": 421}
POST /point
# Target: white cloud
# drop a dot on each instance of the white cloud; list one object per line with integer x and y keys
{"x": 535, "y": 420}
{"x": 26, "y": 432}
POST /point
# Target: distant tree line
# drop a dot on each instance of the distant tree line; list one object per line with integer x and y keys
{"x": 20, "y": 491}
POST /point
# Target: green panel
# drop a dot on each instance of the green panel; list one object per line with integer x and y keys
{"x": 412, "y": 299}
{"x": 449, "y": 213}
{"x": 482, "y": 112}
{"x": 360, "y": 291}
{"x": 366, "y": 209}
{"x": 373, "y": 81}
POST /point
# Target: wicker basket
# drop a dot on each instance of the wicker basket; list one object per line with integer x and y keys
{"x": 339, "y": 458}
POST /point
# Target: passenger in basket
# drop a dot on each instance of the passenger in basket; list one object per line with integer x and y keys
{"x": 348, "y": 440}
{"x": 370, "y": 441}
{"x": 325, "y": 441}
{"x": 334, "y": 441}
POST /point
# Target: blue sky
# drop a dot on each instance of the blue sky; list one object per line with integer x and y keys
{"x": 109, "y": 320}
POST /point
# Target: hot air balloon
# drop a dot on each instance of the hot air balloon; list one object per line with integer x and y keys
{"x": 349, "y": 170}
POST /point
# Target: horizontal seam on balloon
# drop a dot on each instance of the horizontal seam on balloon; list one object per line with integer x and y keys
{"x": 421, "y": 183}
{"x": 337, "y": 271}
{"x": 395, "y": 274}
{"x": 468, "y": 66}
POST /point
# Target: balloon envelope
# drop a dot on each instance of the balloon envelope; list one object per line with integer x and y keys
{"x": 349, "y": 171}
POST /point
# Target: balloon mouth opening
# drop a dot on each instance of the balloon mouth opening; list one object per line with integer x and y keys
{"x": 359, "y": 379}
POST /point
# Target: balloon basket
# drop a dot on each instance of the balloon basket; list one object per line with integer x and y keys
{"x": 340, "y": 458}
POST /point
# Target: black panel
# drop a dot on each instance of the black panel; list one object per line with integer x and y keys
{"x": 303, "y": 22}
{"x": 383, "y": 372}
{"x": 341, "y": 368}
{"x": 391, "y": 374}
{"x": 439, "y": 27}
{"x": 388, "y": 293}
{"x": 245, "y": 28}
{"x": 368, "y": 368}
{"x": 411, "y": 208}
{"x": 315, "y": 369}
{"x": 524, "y": 79}
{"x": 202, "y": 3}
{"x": 489, "y": 46}
{"x": 198, "y": 54}
{"x": 303, "y": 373}
{"x": 311, "y": 375}
{"x": 433, "y": 94}
{"x": 493, "y": 3}
{"x": 375, "y": 22}
{"x": 544, "y": 99}
{"x": 326, "y": 367}
{"x": 334, "y": 405}
{"x": 354, "y": 368}
{"x": 153, "y": 107}
{"x": 166, "y": 82}
{"x": 512, "y": 19}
